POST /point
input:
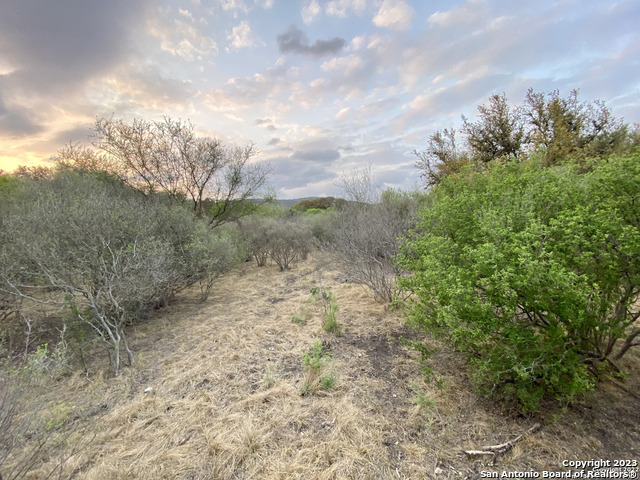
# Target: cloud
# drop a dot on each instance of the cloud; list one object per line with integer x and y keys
{"x": 342, "y": 113}
{"x": 346, "y": 64}
{"x": 182, "y": 38}
{"x": 234, "y": 5}
{"x": 17, "y": 122}
{"x": 241, "y": 36}
{"x": 319, "y": 156}
{"x": 49, "y": 53}
{"x": 292, "y": 175}
{"x": 310, "y": 11}
{"x": 146, "y": 88}
{"x": 394, "y": 14}
{"x": 50, "y": 49}
{"x": 265, "y": 90}
{"x": 466, "y": 14}
{"x": 341, "y": 8}
{"x": 295, "y": 41}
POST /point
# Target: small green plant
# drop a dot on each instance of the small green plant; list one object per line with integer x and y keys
{"x": 327, "y": 381}
{"x": 330, "y": 305}
{"x": 318, "y": 373}
{"x": 269, "y": 378}
{"x": 422, "y": 398}
{"x": 301, "y": 319}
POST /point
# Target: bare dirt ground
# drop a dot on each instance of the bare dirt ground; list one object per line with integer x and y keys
{"x": 225, "y": 402}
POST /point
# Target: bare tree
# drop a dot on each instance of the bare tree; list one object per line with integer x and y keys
{"x": 358, "y": 186}
{"x": 168, "y": 156}
{"x": 365, "y": 235}
{"x": 289, "y": 240}
{"x": 365, "y": 242}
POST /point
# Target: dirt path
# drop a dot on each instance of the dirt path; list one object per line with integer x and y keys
{"x": 226, "y": 379}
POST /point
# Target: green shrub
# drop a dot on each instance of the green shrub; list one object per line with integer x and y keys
{"x": 330, "y": 305}
{"x": 532, "y": 272}
{"x": 318, "y": 373}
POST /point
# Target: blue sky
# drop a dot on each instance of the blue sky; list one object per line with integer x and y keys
{"x": 321, "y": 87}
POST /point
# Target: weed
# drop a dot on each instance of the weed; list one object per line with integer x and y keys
{"x": 422, "y": 398}
{"x": 269, "y": 379}
{"x": 330, "y": 305}
{"x": 301, "y": 319}
{"x": 327, "y": 381}
{"x": 318, "y": 375}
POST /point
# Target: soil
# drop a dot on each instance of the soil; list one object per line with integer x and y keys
{"x": 226, "y": 398}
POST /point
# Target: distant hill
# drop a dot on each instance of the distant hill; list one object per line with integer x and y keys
{"x": 287, "y": 202}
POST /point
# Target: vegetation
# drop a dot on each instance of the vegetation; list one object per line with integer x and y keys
{"x": 318, "y": 373}
{"x": 284, "y": 240}
{"x": 330, "y": 306}
{"x": 315, "y": 205}
{"x": 558, "y": 129}
{"x": 532, "y": 272}
{"x": 523, "y": 255}
{"x": 365, "y": 239}
{"x": 90, "y": 244}
{"x": 167, "y": 156}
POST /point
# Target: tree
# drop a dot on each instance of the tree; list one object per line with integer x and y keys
{"x": 365, "y": 238}
{"x": 442, "y": 158}
{"x": 566, "y": 128}
{"x": 288, "y": 240}
{"x": 499, "y": 132}
{"x": 167, "y": 156}
{"x": 533, "y": 272}
{"x": 561, "y": 129}
{"x": 358, "y": 186}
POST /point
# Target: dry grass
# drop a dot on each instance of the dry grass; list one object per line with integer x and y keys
{"x": 226, "y": 403}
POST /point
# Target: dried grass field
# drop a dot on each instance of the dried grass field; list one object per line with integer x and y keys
{"x": 230, "y": 397}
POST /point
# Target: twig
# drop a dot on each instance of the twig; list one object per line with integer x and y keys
{"x": 503, "y": 447}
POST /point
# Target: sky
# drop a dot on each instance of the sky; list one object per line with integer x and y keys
{"x": 321, "y": 87}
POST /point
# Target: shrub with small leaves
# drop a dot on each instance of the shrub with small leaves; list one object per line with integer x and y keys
{"x": 318, "y": 373}
{"x": 330, "y": 305}
{"x": 533, "y": 272}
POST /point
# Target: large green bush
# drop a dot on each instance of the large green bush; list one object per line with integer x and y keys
{"x": 532, "y": 272}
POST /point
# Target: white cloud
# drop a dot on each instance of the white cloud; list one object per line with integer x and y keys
{"x": 311, "y": 11}
{"x": 346, "y": 64}
{"x": 357, "y": 42}
{"x": 394, "y": 14}
{"x": 463, "y": 15}
{"x": 341, "y": 8}
{"x": 342, "y": 113}
{"x": 241, "y": 36}
{"x": 234, "y": 5}
{"x": 218, "y": 101}
{"x": 186, "y": 14}
{"x": 182, "y": 39}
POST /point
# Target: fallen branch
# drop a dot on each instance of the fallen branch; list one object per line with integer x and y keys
{"x": 503, "y": 447}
